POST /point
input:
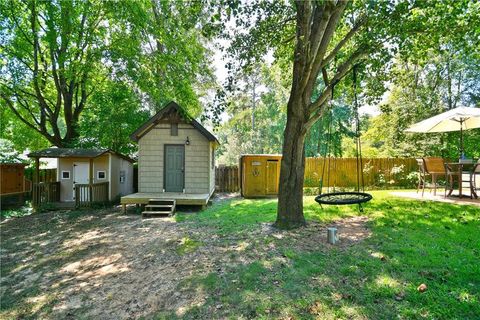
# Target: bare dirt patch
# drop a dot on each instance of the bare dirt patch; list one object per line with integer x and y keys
{"x": 105, "y": 265}
{"x": 314, "y": 235}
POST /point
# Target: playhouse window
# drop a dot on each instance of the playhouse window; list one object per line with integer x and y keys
{"x": 65, "y": 174}
{"x": 174, "y": 129}
{"x": 101, "y": 175}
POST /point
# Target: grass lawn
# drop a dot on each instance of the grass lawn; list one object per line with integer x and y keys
{"x": 412, "y": 243}
{"x": 227, "y": 262}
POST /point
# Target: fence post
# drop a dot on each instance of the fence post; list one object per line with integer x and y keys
{"x": 77, "y": 197}
{"x": 90, "y": 182}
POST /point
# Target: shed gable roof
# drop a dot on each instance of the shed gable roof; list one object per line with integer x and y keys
{"x": 171, "y": 108}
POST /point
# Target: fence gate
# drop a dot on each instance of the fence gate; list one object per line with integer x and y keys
{"x": 226, "y": 179}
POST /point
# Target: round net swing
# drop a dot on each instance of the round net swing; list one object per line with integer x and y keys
{"x": 352, "y": 197}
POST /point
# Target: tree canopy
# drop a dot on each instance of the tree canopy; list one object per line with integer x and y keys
{"x": 59, "y": 57}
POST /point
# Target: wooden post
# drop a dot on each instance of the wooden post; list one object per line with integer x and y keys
{"x": 36, "y": 189}
{"x": 90, "y": 181}
{"x": 37, "y": 169}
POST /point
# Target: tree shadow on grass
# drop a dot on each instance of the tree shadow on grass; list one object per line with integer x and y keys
{"x": 412, "y": 243}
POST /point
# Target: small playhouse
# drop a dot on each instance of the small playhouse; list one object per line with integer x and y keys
{"x": 259, "y": 175}
{"x": 176, "y": 162}
{"x": 84, "y": 176}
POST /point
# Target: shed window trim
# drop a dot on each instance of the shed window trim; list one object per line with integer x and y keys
{"x": 65, "y": 174}
{"x": 174, "y": 129}
{"x": 213, "y": 158}
{"x": 103, "y": 172}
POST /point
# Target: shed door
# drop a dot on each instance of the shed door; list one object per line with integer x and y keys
{"x": 174, "y": 168}
{"x": 272, "y": 177}
{"x": 80, "y": 176}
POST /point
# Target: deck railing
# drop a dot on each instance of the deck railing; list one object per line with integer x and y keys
{"x": 86, "y": 194}
{"x": 45, "y": 192}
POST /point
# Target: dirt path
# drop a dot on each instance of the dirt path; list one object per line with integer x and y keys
{"x": 104, "y": 265}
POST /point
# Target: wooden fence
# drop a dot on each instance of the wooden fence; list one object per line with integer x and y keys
{"x": 86, "y": 194}
{"x": 377, "y": 173}
{"x": 226, "y": 179}
{"x": 342, "y": 172}
{"x": 45, "y": 175}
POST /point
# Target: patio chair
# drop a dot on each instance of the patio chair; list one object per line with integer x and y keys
{"x": 421, "y": 175}
{"x": 432, "y": 167}
{"x": 456, "y": 176}
{"x": 473, "y": 180}
{"x": 452, "y": 176}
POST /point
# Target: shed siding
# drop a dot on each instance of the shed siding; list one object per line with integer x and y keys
{"x": 151, "y": 157}
{"x": 126, "y": 187}
{"x": 120, "y": 189}
{"x": 115, "y": 177}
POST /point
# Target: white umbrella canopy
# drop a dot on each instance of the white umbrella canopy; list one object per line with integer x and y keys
{"x": 458, "y": 119}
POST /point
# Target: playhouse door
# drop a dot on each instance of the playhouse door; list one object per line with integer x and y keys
{"x": 174, "y": 168}
{"x": 80, "y": 176}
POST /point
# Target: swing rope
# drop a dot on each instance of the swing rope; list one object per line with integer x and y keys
{"x": 358, "y": 135}
{"x": 327, "y": 147}
{"x": 356, "y": 197}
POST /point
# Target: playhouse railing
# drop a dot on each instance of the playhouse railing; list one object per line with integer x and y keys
{"x": 86, "y": 194}
{"x": 45, "y": 192}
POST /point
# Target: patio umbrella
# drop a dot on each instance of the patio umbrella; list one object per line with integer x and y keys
{"x": 458, "y": 119}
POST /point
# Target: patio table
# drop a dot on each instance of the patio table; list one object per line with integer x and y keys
{"x": 460, "y": 172}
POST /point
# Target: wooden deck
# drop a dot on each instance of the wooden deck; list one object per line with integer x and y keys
{"x": 192, "y": 199}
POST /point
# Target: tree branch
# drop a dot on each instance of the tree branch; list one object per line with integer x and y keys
{"x": 318, "y": 114}
{"x": 325, "y": 76}
{"x": 15, "y": 21}
{"x": 17, "y": 114}
{"x": 36, "y": 46}
{"x": 319, "y": 24}
{"x": 341, "y": 44}
{"x": 344, "y": 68}
{"x": 322, "y": 49}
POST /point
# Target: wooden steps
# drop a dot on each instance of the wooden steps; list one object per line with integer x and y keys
{"x": 159, "y": 207}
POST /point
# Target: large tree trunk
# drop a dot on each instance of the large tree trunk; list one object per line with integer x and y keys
{"x": 292, "y": 170}
{"x": 316, "y": 22}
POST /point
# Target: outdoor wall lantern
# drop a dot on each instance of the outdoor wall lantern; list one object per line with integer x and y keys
{"x": 187, "y": 142}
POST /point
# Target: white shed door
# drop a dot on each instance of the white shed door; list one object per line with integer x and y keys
{"x": 80, "y": 176}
